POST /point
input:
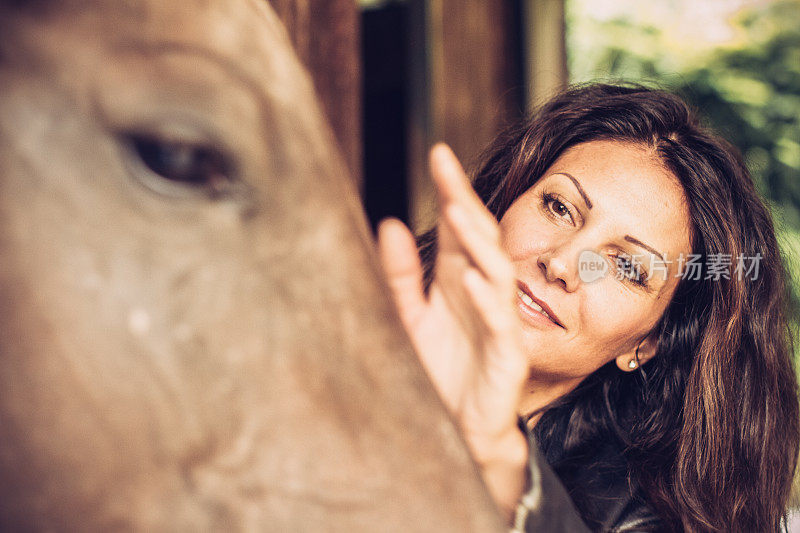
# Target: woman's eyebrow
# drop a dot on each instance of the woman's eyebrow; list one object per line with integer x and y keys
{"x": 636, "y": 241}
{"x": 588, "y": 202}
{"x": 578, "y": 186}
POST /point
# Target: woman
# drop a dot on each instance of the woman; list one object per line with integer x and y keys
{"x": 616, "y": 282}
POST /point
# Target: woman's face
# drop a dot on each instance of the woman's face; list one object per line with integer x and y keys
{"x": 602, "y": 205}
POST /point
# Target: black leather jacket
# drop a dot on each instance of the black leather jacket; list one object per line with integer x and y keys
{"x": 590, "y": 493}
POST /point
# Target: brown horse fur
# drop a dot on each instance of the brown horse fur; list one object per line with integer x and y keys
{"x": 214, "y": 354}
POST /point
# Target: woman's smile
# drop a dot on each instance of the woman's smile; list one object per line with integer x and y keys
{"x": 535, "y": 311}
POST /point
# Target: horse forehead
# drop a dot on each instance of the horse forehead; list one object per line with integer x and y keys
{"x": 237, "y": 29}
{"x": 244, "y": 37}
{"x": 139, "y": 12}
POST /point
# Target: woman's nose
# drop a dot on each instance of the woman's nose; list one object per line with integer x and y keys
{"x": 560, "y": 268}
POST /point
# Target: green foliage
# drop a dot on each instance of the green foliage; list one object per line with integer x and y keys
{"x": 749, "y": 92}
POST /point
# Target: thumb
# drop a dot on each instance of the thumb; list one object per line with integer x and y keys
{"x": 401, "y": 263}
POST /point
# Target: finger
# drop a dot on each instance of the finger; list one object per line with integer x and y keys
{"x": 494, "y": 313}
{"x": 453, "y": 186}
{"x": 400, "y": 260}
{"x": 448, "y": 174}
{"x": 484, "y": 253}
{"x": 505, "y": 364}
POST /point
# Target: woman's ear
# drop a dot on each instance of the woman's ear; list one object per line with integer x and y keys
{"x": 630, "y": 361}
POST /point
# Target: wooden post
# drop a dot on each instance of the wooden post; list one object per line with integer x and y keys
{"x": 470, "y": 85}
{"x": 546, "y": 52}
{"x": 325, "y": 34}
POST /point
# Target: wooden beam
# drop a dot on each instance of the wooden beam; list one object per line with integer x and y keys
{"x": 326, "y": 36}
{"x": 546, "y": 52}
{"x": 470, "y": 84}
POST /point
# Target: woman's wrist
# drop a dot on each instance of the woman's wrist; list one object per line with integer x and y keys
{"x": 503, "y": 461}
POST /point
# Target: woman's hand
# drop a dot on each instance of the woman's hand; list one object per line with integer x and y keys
{"x": 466, "y": 330}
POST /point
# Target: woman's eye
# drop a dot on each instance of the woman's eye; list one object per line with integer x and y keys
{"x": 560, "y": 208}
{"x": 182, "y": 164}
{"x": 557, "y": 207}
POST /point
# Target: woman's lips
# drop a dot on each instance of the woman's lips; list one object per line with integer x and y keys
{"x": 534, "y": 309}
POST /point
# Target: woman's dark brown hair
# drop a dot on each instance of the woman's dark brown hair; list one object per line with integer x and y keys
{"x": 709, "y": 426}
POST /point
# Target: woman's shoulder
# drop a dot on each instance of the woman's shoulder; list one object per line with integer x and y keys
{"x": 599, "y": 484}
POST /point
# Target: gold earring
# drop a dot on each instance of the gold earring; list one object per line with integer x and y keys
{"x": 632, "y": 364}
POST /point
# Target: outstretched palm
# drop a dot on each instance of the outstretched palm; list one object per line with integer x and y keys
{"x": 465, "y": 329}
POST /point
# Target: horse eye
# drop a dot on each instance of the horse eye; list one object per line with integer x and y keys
{"x": 184, "y": 164}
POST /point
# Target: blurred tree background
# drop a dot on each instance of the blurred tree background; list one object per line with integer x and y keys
{"x": 736, "y": 61}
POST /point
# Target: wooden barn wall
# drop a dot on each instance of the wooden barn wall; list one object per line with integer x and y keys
{"x": 473, "y": 86}
{"x": 473, "y": 67}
